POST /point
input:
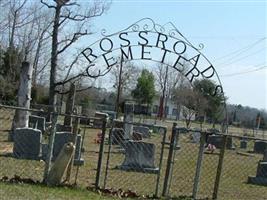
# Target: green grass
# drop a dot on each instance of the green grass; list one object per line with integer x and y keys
{"x": 37, "y": 192}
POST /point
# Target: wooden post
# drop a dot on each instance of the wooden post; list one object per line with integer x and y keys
{"x": 219, "y": 169}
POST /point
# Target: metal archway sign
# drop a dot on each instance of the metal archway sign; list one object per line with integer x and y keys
{"x": 148, "y": 41}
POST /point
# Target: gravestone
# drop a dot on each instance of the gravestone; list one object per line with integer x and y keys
{"x": 137, "y": 136}
{"x": 139, "y": 156}
{"x": 260, "y": 146}
{"x": 118, "y": 123}
{"x": 27, "y": 143}
{"x": 243, "y": 144}
{"x": 117, "y": 136}
{"x": 143, "y": 130}
{"x": 196, "y": 137}
{"x": 261, "y": 175}
{"x": 77, "y": 156}
{"x": 217, "y": 141}
{"x": 128, "y": 117}
{"x": 37, "y": 122}
{"x": 61, "y": 138}
{"x": 99, "y": 122}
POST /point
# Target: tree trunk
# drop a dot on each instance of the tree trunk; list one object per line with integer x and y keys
{"x": 21, "y": 117}
{"x": 53, "y": 71}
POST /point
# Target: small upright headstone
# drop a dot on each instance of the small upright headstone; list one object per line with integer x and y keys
{"x": 143, "y": 130}
{"x": 196, "y": 137}
{"x": 128, "y": 117}
{"x": 260, "y": 146}
{"x": 243, "y": 144}
{"x": 261, "y": 175}
{"x": 139, "y": 156}
{"x": 37, "y": 122}
{"x": 62, "y": 138}
{"x": 78, "y": 148}
{"x": 27, "y": 143}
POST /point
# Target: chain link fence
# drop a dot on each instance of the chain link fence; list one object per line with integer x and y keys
{"x": 136, "y": 158}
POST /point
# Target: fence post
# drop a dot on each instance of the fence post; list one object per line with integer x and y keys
{"x": 169, "y": 161}
{"x": 160, "y": 162}
{"x": 50, "y": 146}
{"x": 199, "y": 164}
{"x": 101, "y": 152}
{"x": 219, "y": 169}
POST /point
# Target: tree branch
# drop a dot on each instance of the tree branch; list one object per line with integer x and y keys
{"x": 75, "y": 37}
{"x": 46, "y": 4}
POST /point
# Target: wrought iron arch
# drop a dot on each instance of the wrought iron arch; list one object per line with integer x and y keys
{"x": 141, "y": 28}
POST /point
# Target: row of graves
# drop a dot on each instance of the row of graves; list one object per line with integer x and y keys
{"x": 131, "y": 139}
{"x": 259, "y": 147}
{"x": 31, "y": 143}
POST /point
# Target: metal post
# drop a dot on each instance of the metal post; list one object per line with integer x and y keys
{"x": 50, "y": 147}
{"x": 100, "y": 154}
{"x": 219, "y": 169}
{"x": 169, "y": 161}
{"x": 160, "y": 162}
{"x": 199, "y": 163}
{"x": 108, "y": 156}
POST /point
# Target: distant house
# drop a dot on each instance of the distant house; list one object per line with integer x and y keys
{"x": 170, "y": 111}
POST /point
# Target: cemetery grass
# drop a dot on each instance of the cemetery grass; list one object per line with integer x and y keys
{"x": 14, "y": 191}
{"x": 233, "y": 184}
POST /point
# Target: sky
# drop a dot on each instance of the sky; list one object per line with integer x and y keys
{"x": 233, "y": 34}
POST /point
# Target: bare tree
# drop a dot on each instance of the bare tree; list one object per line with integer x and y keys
{"x": 193, "y": 103}
{"x": 68, "y": 13}
{"x": 167, "y": 80}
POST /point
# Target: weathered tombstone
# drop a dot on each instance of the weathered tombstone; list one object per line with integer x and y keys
{"x": 243, "y": 144}
{"x": 260, "y": 146}
{"x": 117, "y": 136}
{"x": 143, "y": 130}
{"x": 217, "y": 141}
{"x": 118, "y": 123}
{"x": 37, "y": 122}
{"x": 24, "y": 97}
{"x": 261, "y": 175}
{"x": 196, "y": 137}
{"x": 137, "y": 136}
{"x": 99, "y": 122}
{"x": 77, "y": 156}
{"x": 62, "y": 138}
{"x": 62, "y": 162}
{"x": 70, "y": 105}
{"x": 139, "y": 156}
{"x": 128, "y": 117}
{"x": 27, "y": 143}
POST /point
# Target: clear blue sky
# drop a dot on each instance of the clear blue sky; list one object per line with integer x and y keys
{"x": 222, "y": 26}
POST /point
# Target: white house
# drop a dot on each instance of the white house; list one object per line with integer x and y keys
{"x": 171, "y": 110}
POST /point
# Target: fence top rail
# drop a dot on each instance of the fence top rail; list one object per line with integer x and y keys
{"x": 142, "y": 124}
{"x": 183, "y": 129}
{"x": 55, "y": 113}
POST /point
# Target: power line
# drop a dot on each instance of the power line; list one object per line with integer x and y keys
{"x": 240, "y": 51}
{"x": 245, "y": 72}
{"x": 233, "y": 60}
